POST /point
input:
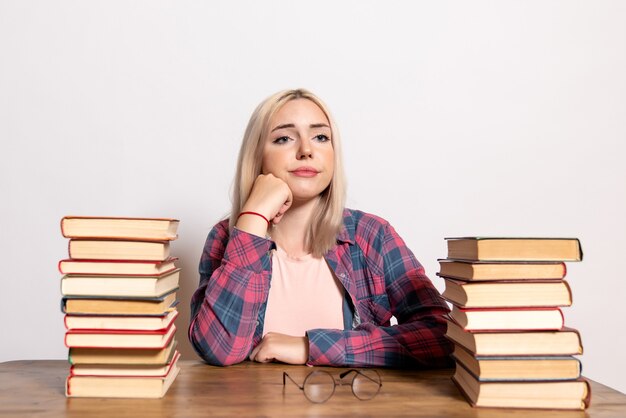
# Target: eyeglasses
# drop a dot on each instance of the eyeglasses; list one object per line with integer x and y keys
{"x": 319, "y": 385}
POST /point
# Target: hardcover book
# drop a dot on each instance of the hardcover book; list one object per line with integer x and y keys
{"x": 118, "y": 356}
{"x": 565, "y": 341}
{"x": 117, "y": 267}
{"x": 153, "y": 229}
{"x": 503, "y": 368}
{"x": 105, "y": 249}
{"x": 508, "y": 318}
{"x": 503, "y": 294}
{"x": 568, "y": 394}
{"x": 121, "y": 386}
{"x": 138, "y": 286}
{"x": 120, "y": 370}
{"x": 119, "y": 305}
{"x": 119, "y": 339}
{"x": 116, "y": 322}
{"x": 514, "y": 249}
{"x": 501, "y": 270}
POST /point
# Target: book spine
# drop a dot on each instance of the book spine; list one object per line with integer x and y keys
{"x": 569, "y": 290}
{"x": 68, "y": 392}
{"x": 580, "y": 255}
{"x": 63, "y": 227}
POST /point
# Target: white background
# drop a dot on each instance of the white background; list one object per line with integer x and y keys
{"x": 458, "y": 118}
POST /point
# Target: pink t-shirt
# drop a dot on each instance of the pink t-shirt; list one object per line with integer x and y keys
{"x": 304, "y": 294}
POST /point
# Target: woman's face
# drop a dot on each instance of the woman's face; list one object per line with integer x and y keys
{"x": 299, "y": 149}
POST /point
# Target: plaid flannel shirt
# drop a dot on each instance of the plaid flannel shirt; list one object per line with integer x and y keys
{"x": 381, "y": 278}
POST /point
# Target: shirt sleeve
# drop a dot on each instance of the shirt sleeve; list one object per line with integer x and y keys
{"x": 416, "y": 341}
{"x": 234, "y": 284}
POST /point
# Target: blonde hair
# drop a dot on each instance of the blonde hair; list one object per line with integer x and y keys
{"x": 328, "y": 215}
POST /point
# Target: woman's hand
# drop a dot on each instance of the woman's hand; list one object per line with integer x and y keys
{"x": 281, "y": 347}
{"x": 271, "y": 197}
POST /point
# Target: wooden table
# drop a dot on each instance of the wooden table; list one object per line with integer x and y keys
{"x": 36, "y": 389}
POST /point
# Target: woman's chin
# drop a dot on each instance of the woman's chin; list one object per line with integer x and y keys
{"x": 300, "y": 197}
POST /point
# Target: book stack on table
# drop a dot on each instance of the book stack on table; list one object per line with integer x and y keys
{"x": 119, "y": 289}
{"x": 512, "y": 348}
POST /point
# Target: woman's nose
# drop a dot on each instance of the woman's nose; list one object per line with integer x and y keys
{"x": 304, "y": 151}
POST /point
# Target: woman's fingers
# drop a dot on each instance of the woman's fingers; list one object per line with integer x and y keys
{"x": 270, "y": 196}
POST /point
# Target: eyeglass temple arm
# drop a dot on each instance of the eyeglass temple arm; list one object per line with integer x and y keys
{"x": 285, "y": 375}
{"x": 347, "y": 372}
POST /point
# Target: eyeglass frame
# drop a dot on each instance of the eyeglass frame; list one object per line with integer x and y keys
{"x": 335, "y": 383}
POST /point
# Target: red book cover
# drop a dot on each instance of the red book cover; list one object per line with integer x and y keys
{"x": 120, "y": 338}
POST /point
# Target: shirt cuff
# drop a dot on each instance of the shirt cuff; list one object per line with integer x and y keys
{"x": 248, "y": 251}
{"x": 326, "y": 347}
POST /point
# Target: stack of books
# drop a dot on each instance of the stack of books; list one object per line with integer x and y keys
{"x": 512, "y": 348}
{"x": 119, "y": 299}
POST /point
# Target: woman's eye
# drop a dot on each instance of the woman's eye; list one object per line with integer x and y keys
{"x": 322, "y": 138}
{"x": 281, "y": 140}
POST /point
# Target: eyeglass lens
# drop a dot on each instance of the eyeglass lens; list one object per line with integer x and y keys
{"x": 366, "y": 384}
{"x": 319, "y": 386}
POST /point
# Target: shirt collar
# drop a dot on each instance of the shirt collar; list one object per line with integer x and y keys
{"x": 346, "y": 234}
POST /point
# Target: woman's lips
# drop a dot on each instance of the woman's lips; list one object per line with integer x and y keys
{"x": 305, "y": 172}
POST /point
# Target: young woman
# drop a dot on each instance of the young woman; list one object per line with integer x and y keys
{"x": 295, "y": 277}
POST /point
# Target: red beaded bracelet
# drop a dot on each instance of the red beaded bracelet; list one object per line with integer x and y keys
{"x": 254, "y": 213}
